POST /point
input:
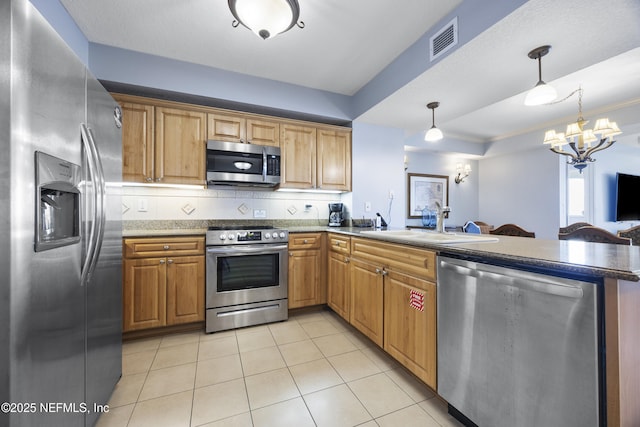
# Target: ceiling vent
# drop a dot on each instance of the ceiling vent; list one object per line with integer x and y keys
{"x": 444, "y": 39}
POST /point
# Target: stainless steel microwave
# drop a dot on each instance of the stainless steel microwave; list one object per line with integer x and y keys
{"x": 232, "y": 163}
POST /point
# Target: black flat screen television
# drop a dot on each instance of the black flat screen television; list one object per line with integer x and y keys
{"x": 627, "y": 197}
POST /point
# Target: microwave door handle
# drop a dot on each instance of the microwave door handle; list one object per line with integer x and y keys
{"x": 86, "y": 265}
{"x": 264, "y": 164}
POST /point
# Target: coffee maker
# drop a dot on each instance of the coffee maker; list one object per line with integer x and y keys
{"x": 336, "y": 216}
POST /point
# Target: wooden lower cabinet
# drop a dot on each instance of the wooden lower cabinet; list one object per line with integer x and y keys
{"x": 185, "y": 294}
{"x": 410, "y": 324}
{"x": 145, "y": 294}
{"x": 338, "y": 284}
{"x": 367, "y": 299}
{"x": 163, "y": 290}
{"x": 306, "y": 280}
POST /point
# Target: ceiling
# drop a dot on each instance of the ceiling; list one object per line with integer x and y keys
{"x": 481, "y": 85}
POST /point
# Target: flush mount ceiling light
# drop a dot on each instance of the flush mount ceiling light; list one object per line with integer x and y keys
{"x": 266, "y": 18}
{"x": 433, "y": 134}
{"x": 542, "y": 93}
{"x": 580, "y": 139}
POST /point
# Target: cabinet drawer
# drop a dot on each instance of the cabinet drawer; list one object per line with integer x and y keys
{"x": 163, "y": 246}
{"x": 402, "y": 258}
{"x": 305, "y": 241}
{"x": 340, "y": 244}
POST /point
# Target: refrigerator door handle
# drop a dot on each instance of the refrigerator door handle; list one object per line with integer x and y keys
{"x": 97, "y": 223}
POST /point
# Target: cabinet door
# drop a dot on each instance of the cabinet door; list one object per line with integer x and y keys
{"x": 180, "y": 146}
{"x": 137, "y": 142}
{"x": 185, "y": 289}
{"x": 144, "y": 293}
{"x": 367, "y": 296}
{"x": 334, "y": 160}
{"x": 338, "y": 284}
{"x": 410, "y": 324}
{"x": 298, "y": 150}
{"x": 263, "y": 132}
{"x": 305, "y": 278}
{"x": 226, "y": 127}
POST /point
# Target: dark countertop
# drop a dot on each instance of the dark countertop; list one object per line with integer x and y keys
{"x": 592, "y": 259}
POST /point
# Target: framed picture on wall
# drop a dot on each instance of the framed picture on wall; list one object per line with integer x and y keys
{"x": 423, "y": 191}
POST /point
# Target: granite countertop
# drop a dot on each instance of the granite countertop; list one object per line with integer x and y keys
{"x": 592, "y": 259}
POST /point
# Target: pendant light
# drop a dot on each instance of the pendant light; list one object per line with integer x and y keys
{"x": 433, "y": 134}
{"x": 542, "y": 93}
{"x": 266, "y": 18}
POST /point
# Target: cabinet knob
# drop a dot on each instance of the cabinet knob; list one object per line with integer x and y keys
{"x": 170, "y": 261}
{"x": 290, "y": 253}
{"x": 305, "y": 241}
{"x": 165, "y": 247}
{"x": 346, "y": 260}
{"x": 385, "y": 272}
{"x": 158, "y": 179}
{"x": 378, "y": 271}
{"x": 148, "y": 179}
{"x": 161, "y": 261}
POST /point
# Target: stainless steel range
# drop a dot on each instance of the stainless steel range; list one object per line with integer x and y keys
{"x": 246, "y": 276}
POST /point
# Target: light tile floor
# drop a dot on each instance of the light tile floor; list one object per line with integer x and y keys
{"x": 312, "y": 370}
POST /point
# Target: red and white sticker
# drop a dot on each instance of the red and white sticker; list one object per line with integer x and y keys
{"x": 416, "y": 300}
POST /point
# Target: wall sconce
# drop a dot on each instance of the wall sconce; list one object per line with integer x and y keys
{"x": 463, "y": 172}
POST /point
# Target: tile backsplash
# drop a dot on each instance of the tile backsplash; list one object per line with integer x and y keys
{"x": 159, "y": 203}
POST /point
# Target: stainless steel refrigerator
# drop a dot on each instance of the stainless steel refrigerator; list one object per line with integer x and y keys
{"x": 60, "y": 229}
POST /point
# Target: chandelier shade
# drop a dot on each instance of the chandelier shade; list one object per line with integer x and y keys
{"x": 266, "y": 18}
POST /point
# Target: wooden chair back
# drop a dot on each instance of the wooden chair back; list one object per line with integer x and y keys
{"x": 571, "y": 227}
{"x": 512, "y": 230}
{"x": 594, "y": 234}
{"x": 632, "y": 233}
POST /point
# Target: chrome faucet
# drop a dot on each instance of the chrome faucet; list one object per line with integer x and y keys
{"x": 443, "y": 212}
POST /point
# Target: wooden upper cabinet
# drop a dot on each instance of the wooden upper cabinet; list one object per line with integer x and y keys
{"x": 243, "y": 129}
{"x": 226, "y": 127}
{"x": 180, "y": 148}
{"x": 263, "y": 132}
{"x": 137, "y": 142}
{"x": 334, "y": 160}
{"x": 298, "y": 151}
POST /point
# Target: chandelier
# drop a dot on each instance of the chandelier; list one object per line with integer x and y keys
{"x": 583, "y": 142}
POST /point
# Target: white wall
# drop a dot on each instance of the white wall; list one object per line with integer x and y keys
{"x": 521, "y": 188}
{"x": 378, "y": 168}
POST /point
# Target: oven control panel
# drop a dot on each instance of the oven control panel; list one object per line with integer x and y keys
{"x": 231, "y": 237}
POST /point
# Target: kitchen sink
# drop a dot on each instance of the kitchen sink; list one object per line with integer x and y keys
{"x": 430, "y": 236}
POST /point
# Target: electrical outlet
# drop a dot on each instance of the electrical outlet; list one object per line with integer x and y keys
{"x": 367, "y": 206}
{"x": 259, "y": 213}
{"x": 143, "y": 205}
{"x": 307, "y": 207}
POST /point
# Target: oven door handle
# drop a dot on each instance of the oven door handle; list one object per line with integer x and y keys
{"x": 239, "y": 249}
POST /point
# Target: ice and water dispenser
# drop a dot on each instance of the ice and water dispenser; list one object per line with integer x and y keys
{"x": 57, "y": 202}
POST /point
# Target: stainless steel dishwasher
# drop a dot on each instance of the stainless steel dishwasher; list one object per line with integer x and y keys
{"x": 517, "y": 348}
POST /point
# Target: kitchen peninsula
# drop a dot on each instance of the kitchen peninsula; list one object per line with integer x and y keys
{"x": 615, "y": 268}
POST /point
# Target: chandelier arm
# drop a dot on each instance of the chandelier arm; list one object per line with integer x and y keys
{"x": 300, "y": 24}
{"x": 578, "y": 154}
{"x": 601, "y": 146}
{"x": 235, "y": 23}
{"x": 564, "y": 153}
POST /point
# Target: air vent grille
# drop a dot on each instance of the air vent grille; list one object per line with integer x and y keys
{"x": 444, "y": 39}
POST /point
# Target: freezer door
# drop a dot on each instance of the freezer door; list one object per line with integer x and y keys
{"x": 47, "y": 303}
{"x": 104, "y": 287}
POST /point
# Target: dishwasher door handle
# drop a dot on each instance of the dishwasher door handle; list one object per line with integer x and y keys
{"x": 528, "y": 283}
